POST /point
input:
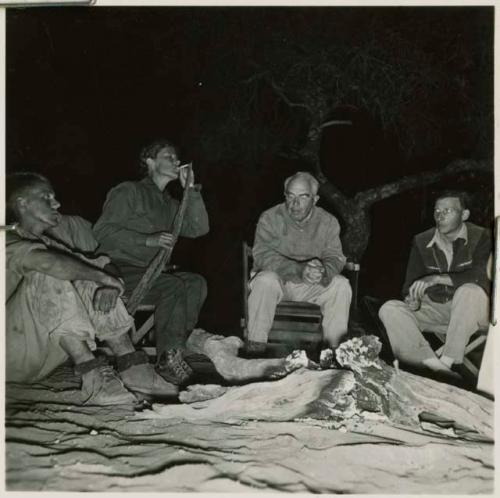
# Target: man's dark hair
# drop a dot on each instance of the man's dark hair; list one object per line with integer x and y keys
{"x": 151, "y": 151}
{"x": 16, "y": 185}
{"x": 462, "y": 196}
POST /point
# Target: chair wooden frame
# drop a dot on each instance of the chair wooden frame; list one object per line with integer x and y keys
{"x": 137, "y": 334}
{"x": 476, "y": 341}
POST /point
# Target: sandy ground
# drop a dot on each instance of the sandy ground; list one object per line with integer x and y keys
{"x": 285, "y": 435}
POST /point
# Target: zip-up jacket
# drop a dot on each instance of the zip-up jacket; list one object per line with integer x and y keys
{"x": 468, "y": 265}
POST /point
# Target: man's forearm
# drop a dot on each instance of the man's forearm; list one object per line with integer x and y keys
{"x": 63, "y": 267}
{"x": 443, "y": 279}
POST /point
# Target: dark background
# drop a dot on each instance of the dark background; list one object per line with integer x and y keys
{"x": 87, "y": 88}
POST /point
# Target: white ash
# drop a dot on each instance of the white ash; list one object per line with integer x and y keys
{"x": 359, "y": 353}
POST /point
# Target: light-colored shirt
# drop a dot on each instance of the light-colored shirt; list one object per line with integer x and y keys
{"x": 445, "y": 245}
{"x": 283, "y": 246}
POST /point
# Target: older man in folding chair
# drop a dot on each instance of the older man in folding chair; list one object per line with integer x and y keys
{"x": 298, "y": 257}
{"x": 446, "y": 289}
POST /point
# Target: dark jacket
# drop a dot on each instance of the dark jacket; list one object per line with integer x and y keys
{"x": 135, "y": 210}
{"x": 468, "y": 264}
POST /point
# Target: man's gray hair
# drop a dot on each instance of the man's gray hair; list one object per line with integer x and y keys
{"x": 304, "y": 175}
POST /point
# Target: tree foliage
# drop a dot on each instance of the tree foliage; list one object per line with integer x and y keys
{"x": 425, "y": 75}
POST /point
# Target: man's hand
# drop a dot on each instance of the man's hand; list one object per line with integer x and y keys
{"x": 417, "y": 289}
{"x": 160, "y": 239}
{"x": 110, "y": 281}
{"x": 184, "y": 173}
{"x": 313, "y": 272}
{"x": 105, "y": 298}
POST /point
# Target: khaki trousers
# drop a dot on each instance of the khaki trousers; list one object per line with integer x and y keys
{"x": 458, "y": 319}
{"x": 267, "y": 290}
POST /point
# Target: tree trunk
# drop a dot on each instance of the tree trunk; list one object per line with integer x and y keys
{"x": 356, "y": 232}
{"x": 355, "y": 213}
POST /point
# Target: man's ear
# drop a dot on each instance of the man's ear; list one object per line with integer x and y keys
{"x": 465, "y": 214}
{"x": 150, "y": 162}
{"x": 316, "y": 199}
{"x": 21, "y": 203}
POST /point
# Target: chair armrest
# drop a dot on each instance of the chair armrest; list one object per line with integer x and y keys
{"x": 352, "y": 266}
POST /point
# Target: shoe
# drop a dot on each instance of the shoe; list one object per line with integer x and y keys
{"x": 101, "y": 386}
{"x": 143, "y": 379}
{"x": 172, "y": 367}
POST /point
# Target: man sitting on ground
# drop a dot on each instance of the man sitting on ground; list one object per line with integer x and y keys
{"x": 59, "y": 302}
{"x": 298, "y": 257}
{"x": 446, "y": 288}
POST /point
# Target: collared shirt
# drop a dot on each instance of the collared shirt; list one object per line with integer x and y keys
{"x": 445, "y": 245}
{"x": 72, "y": 236}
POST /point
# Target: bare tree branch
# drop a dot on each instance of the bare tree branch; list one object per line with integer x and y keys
{"x": 369, "y": 197}
{"x": 336, "y": 122}
{"x": 281, "y": 93}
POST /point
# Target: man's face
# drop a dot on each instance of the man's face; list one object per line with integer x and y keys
{"x": 38, "y": 207}
{"x": 449, "y": 215}
{"x": 166, "y": 163}
{"x": 299, "y": 199}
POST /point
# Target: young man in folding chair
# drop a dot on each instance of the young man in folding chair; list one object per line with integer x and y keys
{"x": 136, "y": 222}
{"x": 298, "y": 257}
{"x": 446, "y": 289}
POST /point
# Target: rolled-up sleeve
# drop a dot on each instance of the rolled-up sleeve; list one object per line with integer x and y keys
{"x": 17, "y": 250}
{"x": 195, "y": 223}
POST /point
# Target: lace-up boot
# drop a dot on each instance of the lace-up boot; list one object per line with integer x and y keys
{"x": 101, "y": 385}
{"x": 173, "y": 368}
{"x": 139, "y": 376}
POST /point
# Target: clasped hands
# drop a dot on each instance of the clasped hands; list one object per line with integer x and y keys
{"x": 313, "y": 271}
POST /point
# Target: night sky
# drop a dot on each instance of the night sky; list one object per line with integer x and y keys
{"x": 87, "y": 88}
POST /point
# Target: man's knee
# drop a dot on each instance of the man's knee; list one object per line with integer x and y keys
{"x": 339, "y": 287}
{"x": 391, "y": 309}
{"x": 196, "y": 285}
{"x": 472, "y": 300}
{"x": 266, "y": 280}
{"x": 470, "y": 292}
{"x": 170, "y": 285}
{"x": 342, "y": 285}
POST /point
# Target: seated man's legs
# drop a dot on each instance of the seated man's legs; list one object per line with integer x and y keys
{"x": 178, "y": 298}
{"x": 31, "y": 353}
{"x": 458, "y": 319}
{"x": 404, "y": 332}
{"x": 196, "y": 293}
{"x": 266, "y": 292}
{"x": 56, "y": 320}
{"x": 469, "y": 312}
{"x": 334, "y": 301}
{"x": 47, "y": 324}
